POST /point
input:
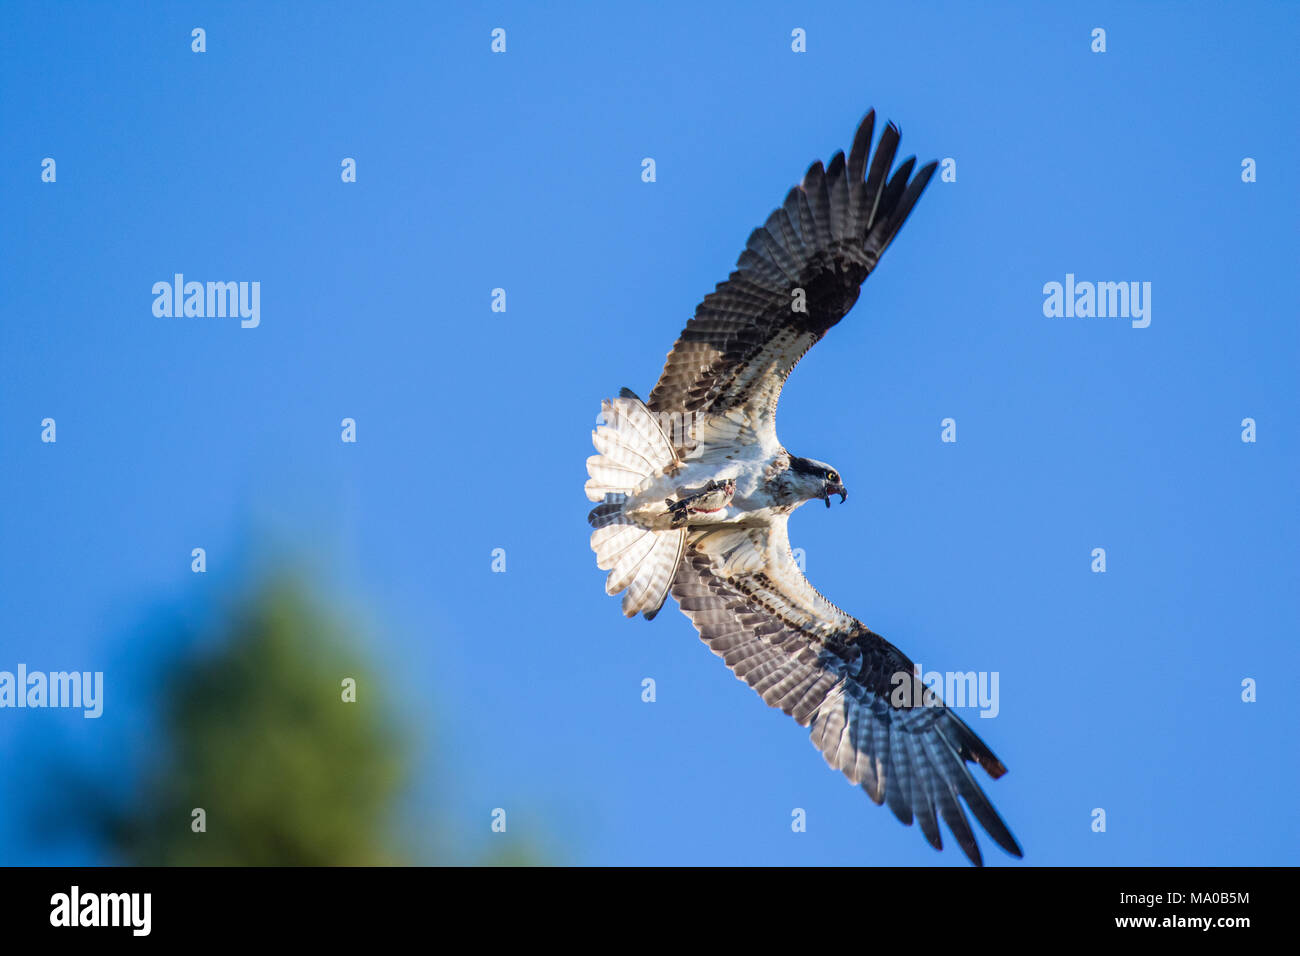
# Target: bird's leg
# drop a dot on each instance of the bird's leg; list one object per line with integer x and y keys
{"x": 712, "y": 498}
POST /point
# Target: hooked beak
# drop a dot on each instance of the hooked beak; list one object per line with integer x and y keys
{"x": 835, "y": 489}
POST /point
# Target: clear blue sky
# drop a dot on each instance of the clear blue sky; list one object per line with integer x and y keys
{"x": 1118, "y": 690}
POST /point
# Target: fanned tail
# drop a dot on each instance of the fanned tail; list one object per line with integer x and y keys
{"x": 633, "y": 451}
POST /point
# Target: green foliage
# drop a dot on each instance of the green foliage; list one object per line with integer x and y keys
{"x": 258, "y": 736}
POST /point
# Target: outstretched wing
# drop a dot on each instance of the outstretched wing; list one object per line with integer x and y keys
{"x": 799, "y": 274}
{"x": 870, "y": 716}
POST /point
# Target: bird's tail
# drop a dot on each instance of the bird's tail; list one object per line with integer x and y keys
{"x": 633, "y": 452}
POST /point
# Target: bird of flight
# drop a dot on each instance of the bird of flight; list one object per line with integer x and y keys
{"x": 695, "y": 491}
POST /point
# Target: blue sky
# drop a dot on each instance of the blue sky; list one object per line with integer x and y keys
{"x": 522, "y": 171}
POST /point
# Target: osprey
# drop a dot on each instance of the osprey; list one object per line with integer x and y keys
{"x": 695, "y": 491}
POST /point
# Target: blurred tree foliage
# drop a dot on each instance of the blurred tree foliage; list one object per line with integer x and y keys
{"x": 258, "y": 735}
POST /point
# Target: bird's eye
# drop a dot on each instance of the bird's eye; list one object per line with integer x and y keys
{"x": 831, "y": 476}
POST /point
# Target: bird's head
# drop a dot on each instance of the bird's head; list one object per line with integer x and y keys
{"x": 816, "y": 479}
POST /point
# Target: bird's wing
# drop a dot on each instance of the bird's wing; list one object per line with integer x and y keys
{"x": 813, "y": 253}
{"x": 870, "y": 716}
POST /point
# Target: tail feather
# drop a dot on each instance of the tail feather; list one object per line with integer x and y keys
{"x": 619, "y": 455}
{"x": 607, "y": 478}
{"x": 629, "y": 562}
{"x": 611, "y": 541}
{"x": 646, "y": 594}
{"x": 633, "y": 451}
